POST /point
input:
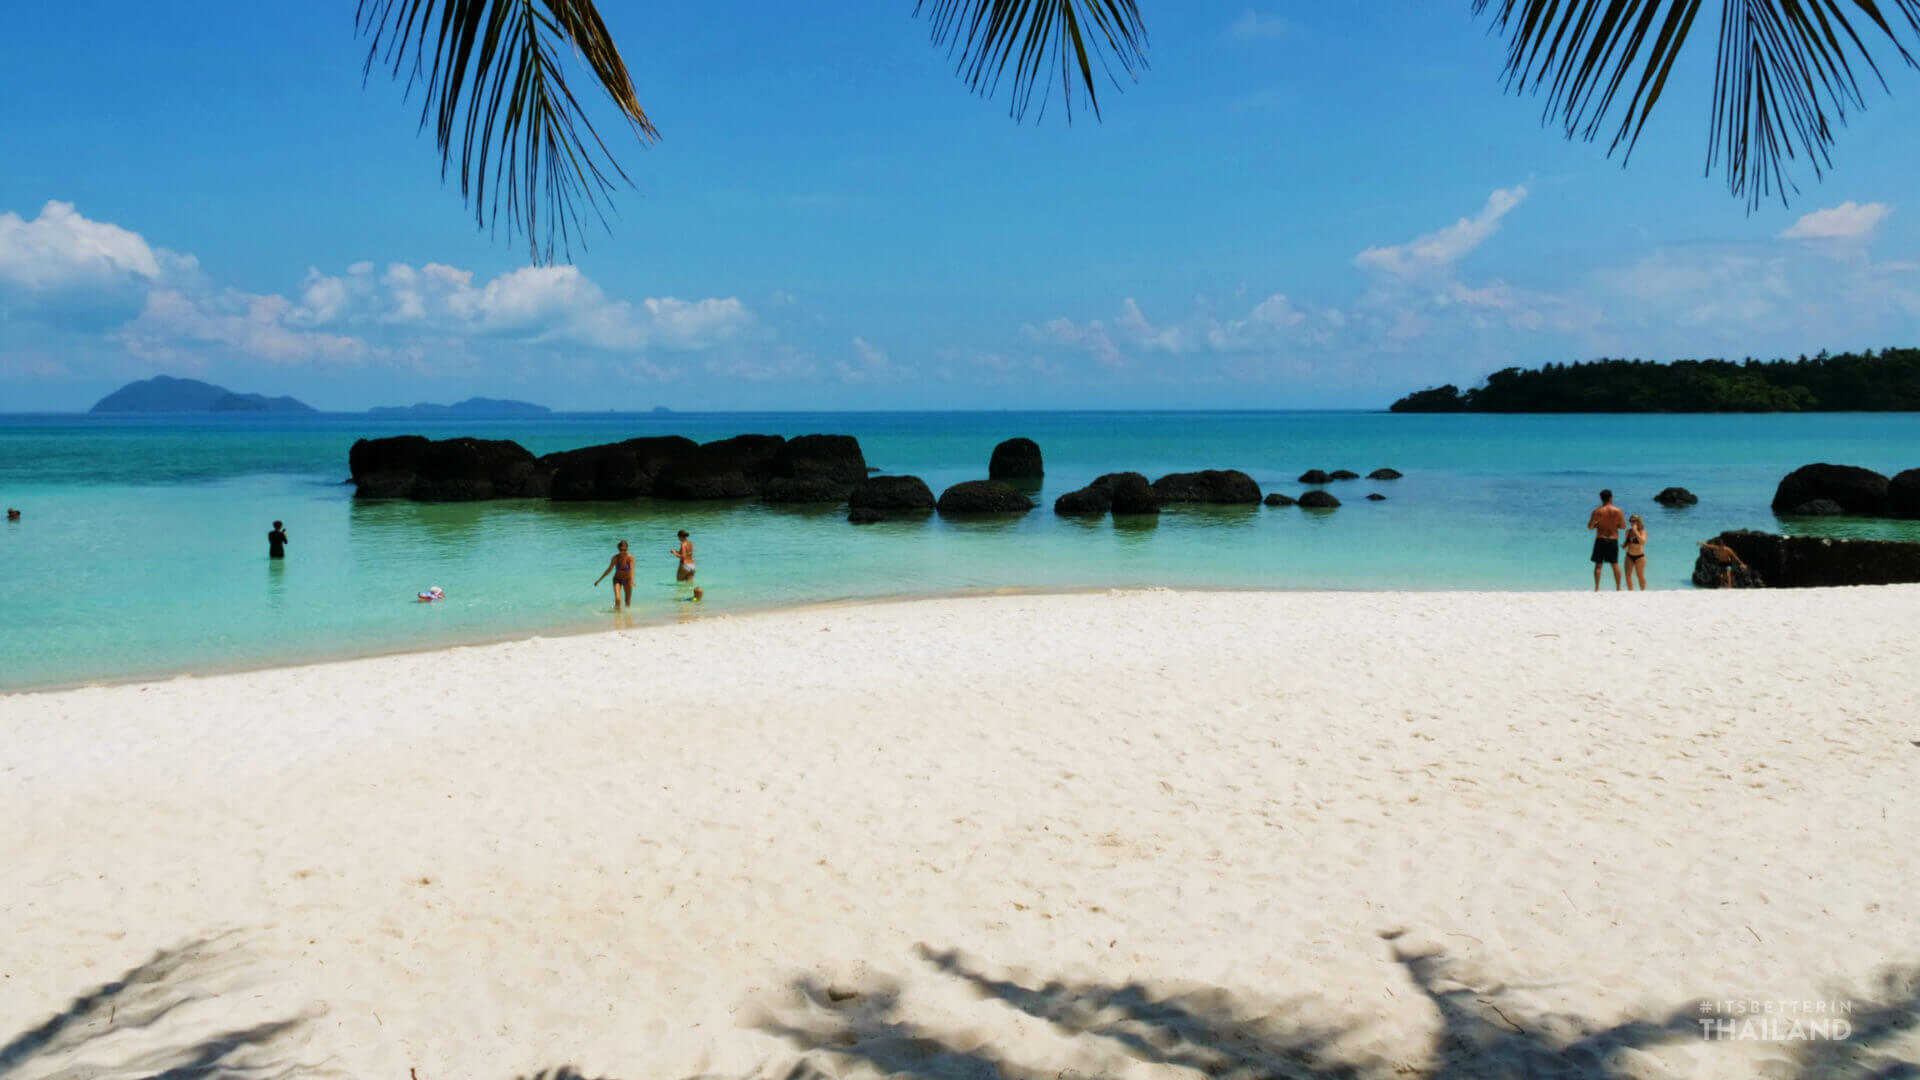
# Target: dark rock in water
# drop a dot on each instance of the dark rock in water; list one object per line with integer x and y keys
{"x": 872, "y": 469}
{"x": 622, "y": 470}
{"x": 864, "y": 516}
{"x": 1376, "y": 497}
{"x": 890, "y": 493}
{"x": 1343, "y": 474}
{"x": 1676, "y": 496}
{"x": 1015, "y": 459}
{"x": 1318, "y": 500}
{"x": 1903, "y": 495}
{"x": 724, "y": 469}
{"x": 1384, "y": 474}
{"x": 446, "y": 470}
{"x": 1857, "y": 490}
{"x": 1315, "y": 476}
{"x": 1122, "y": 493}
{"x": 790, "y": 490}
{"x": 1793, "y": 562}
{"x": 1277, "y": 499}
{"x": 1818, "y": 508}
{"x": 984, "y": 497}
{"x": 1208, "y": 486}
{"x": 820, "y": 457}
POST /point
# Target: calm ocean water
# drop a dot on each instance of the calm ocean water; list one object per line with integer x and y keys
{"x": 142, "y": 551}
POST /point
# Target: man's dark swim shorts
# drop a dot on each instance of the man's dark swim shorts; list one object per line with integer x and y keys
{"x": 1606, "y": 551}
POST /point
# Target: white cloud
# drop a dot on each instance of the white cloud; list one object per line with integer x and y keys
{"x": 871, "y": 364}
{"x": 62, "y": 248}
{"x": 1257, "y": 25}
{"x": 264, "y": 327}
{"x": 1848, "y": 221}
{"x": 1436, "y": 252}
{"x": 1090, "y": 337}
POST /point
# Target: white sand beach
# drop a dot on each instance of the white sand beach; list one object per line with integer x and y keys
{"x": 1138, "y": 834}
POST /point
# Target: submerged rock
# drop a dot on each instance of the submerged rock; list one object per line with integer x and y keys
{"x": 1818, "y": 508}
{"x": 1315, "y": 476}
{"x": 1015, "y": 459}
{"x": 1676, "y": 496}
{"x": 1318, "y": 500}
{"x": 1376, "y": 497}
{"x": 891, "y": 493}
{"x": 1343, "y": 474}
{"x": 1857, "y": 490}
{"x": 787, "y": 490}
{"x": 1384, "y": 474}
{"x": 864, "y": 516}
{"x": 984, "y": 497}
{"x": 1277, "y": 499}
{"x": 1207, "y": 486}
{"x": 1122, "y": 493}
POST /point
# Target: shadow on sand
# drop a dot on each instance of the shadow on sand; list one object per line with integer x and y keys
{"x": 137, "y": 1026}
{"x": 1484, "y": 1034}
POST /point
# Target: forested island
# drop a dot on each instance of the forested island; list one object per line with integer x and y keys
{"x": 166, "y": 394}
{"x": 1887, "y": 381}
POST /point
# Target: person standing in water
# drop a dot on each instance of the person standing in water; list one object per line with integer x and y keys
{"x": 1606, "y": 521}
{"x": 1636, "y": 552}
{"x": 277, "y": 542}
{"x": 621, "y": 567}
{"x": 684, "y": 553}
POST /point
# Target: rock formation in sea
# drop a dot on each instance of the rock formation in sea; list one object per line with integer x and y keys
{"x": 1015, "y": 459}
{"x": 1122, "y": 493}
{"x": 1903, "y": 494}
{"x": 864, "y": 516}
{"x": 1376, "y": 497}
{"x": 1796, "y": 562}
{"x": 1207, "y": 486}
{"x": 891, "y": 493}
{"x": 1815, "y": 508}
{"x": 1384, "y": 474}
{"x": 1318, "y": 500}
{"x": 984, "y": 497}
{"x": 1343, "y": 474}
{"x": 1857, "y": 490}
{"x": 613, "y": 471}
{"x": 1315, "y": 476}
{"x": 1277, "y": 499}
{"x": 445, "y": 470}
{"x": 1676, "y": 496}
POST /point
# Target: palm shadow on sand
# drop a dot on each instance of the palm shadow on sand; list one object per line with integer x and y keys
{"x": 125, "y": 1028}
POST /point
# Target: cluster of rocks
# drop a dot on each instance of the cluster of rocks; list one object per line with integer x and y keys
{"x": 1014, "y": 464}
{"x": 810, "y": 468}
{"x": 1799, "y": 562}
{"x": 1676, "y": 496}
{"x": 1824, "y": 489}
{"x": 1321, "y": 476}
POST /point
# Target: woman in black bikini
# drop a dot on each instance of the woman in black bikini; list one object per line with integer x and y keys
{"x": 621, "y": 567}
{"x": 1636, "y": 552}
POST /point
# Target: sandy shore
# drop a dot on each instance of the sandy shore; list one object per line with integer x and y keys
{"x": 1144, "y": 834}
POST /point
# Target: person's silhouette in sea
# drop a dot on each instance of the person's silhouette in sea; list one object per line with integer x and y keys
{"x": 277, "y": 542}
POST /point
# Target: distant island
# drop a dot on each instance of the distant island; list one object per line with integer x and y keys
{"x": 1888, "y": 381}
{"x": 475, "y": 406}
{"x": 166, "y": 394}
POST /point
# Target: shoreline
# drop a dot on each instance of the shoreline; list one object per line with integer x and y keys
{"x": 1127, "y": 834}
{"x": 670, "y": 618}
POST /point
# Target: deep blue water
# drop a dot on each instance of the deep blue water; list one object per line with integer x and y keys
{"x": 141, "y": 550}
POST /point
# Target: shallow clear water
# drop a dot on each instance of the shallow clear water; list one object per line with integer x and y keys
{"x": 141, "y": 550}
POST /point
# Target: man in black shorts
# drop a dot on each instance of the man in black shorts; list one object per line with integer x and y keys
{"x": 277, "y": 542}
{"x": 1606, "y": 521}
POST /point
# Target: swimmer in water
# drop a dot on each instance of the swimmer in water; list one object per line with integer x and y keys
{"x": 685, "y": 554}
{"x": 621, "y": 567}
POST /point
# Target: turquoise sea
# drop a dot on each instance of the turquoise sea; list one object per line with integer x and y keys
{"x": 141, "y": 549}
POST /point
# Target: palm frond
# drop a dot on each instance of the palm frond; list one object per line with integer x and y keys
{"x": 1036, "y": 37}
{"x": 494, "y": 86}
{"x": 1785, "y": 74}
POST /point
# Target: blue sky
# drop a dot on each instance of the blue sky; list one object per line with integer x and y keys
{"x": 1297, "y": 205}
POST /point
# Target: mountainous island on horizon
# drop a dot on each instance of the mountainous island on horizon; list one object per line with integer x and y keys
{"x": 166, "y": 394}
{"x": 473, "y": 406}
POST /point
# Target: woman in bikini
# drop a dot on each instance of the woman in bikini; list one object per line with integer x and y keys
{"x": 621, "y": 567}
{"x": 685, "y": 554}
{"x": 1636, "y": 552}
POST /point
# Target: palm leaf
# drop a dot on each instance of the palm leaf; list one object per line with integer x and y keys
{"x": 1785, "y": 73}
{"x": 494, "y": 86}
{"x": 1038, "y": 37}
